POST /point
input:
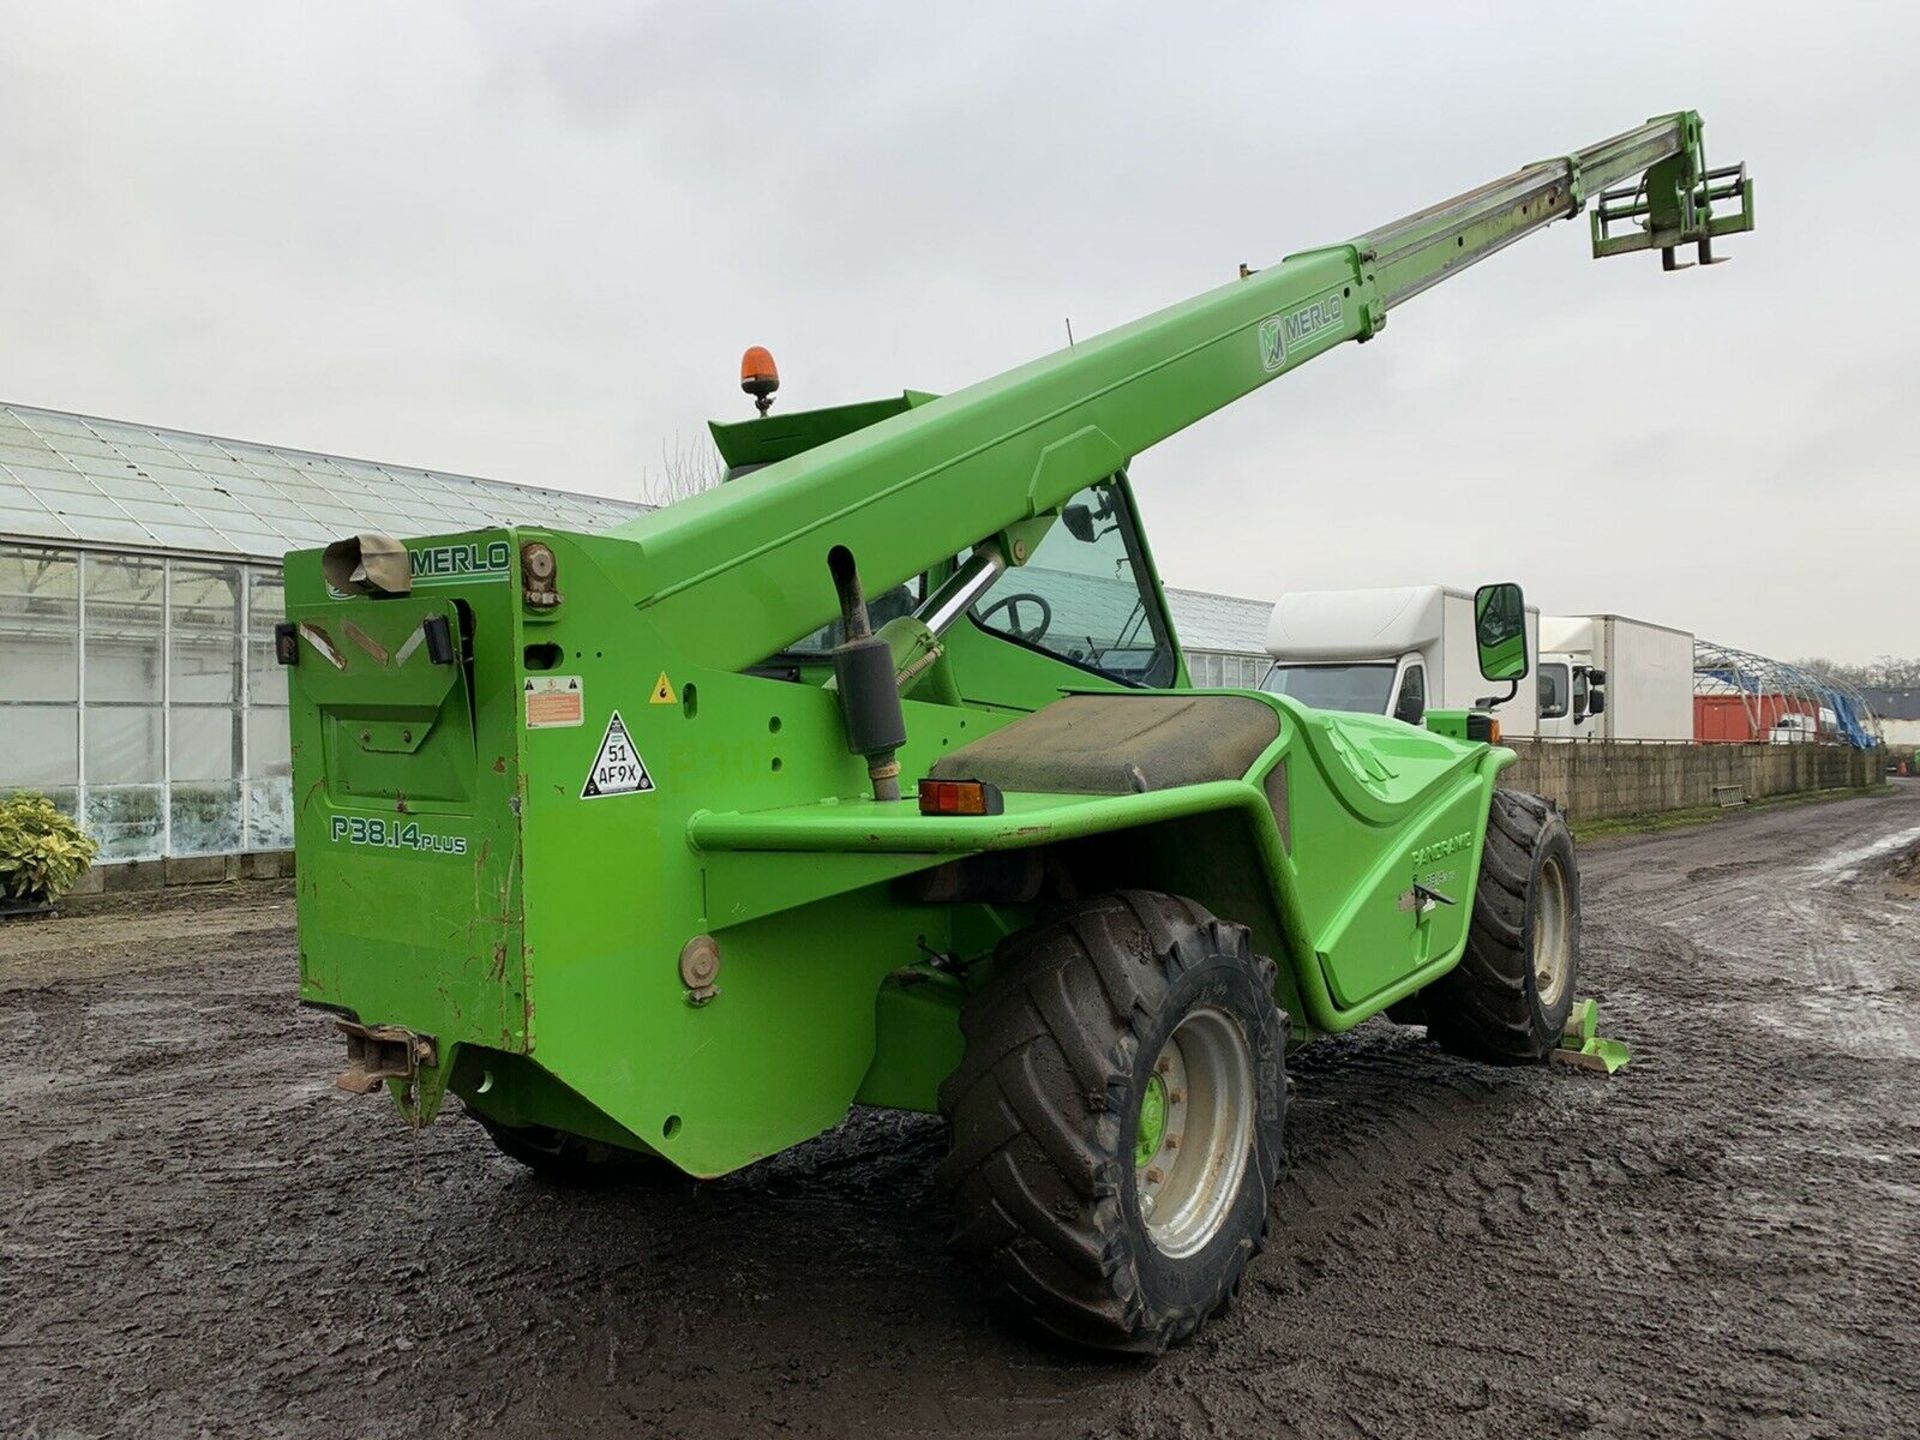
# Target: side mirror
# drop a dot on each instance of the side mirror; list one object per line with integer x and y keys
{"x": 1596, "y": 702}
{"x": 1079, "y": 522}
{"x": 1500, "y": 632}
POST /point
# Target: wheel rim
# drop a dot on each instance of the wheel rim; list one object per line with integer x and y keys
{"x": 1552, "y": 935}
{"x": 1196, "y": 1129}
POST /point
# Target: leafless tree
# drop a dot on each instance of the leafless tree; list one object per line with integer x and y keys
{"x": 1889, "y": 672}
{"x": 686, "y": 468}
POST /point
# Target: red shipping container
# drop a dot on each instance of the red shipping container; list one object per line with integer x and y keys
{"x": 1743, "y": 719}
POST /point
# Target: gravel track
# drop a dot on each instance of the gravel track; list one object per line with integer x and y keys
{"x": 198, "y": 1235}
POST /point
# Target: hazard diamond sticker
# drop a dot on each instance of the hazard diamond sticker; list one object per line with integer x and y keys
{"x": 618, "y": 768}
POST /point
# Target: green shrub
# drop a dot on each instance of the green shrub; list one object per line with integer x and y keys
{"x": 42, "y": 852}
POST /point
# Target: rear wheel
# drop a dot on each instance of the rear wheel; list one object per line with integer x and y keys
{"x": 1117, "y": 1120}
{"x": 1509, "y": 997}
{"x": 566, "y": 1159}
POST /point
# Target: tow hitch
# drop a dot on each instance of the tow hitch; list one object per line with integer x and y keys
{"x": 378, "y": 1053}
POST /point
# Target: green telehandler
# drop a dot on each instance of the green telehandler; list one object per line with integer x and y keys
{"x": 873, "y": 776}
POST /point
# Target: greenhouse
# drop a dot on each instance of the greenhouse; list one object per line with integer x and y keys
{"x": 139, "y": 587}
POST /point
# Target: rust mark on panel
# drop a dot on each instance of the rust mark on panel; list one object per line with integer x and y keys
{"x": 500, "y": 765}
{"x": 322, "y": 643}
{"x": 366, "y": 642}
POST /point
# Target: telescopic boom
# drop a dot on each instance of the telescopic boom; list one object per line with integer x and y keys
{"x": 740, "y": 571}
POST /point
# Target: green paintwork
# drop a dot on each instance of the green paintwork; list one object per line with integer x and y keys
{"x": 785, "y": 433}
{"x": 1153, "y": 1121}
{"x": 454, "y": 881}
{"x": 1584, "y": 1046}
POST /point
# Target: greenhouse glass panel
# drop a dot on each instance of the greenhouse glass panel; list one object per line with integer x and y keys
{"x": 206, "y": 819}
{"x": 204, "y": 649}
{"x": 126, "y": 820}
{"x": 126, "y": 598}
{"x": 270, "y": 814}
{"x": 266, "y": 607}
{"x": 39, "y": 624}
{"x": 41, "y": 748}
{"x": 203, "y": 742}
{"x": 88, "y": 502}
{"x": 123, "y": 745}
{"x": 268, "y": 754}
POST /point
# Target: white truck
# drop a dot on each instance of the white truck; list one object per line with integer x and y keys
{"x": 1608, "y": 677}
{"x": 1400, "y": 651}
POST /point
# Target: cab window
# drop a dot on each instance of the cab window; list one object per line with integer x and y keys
{"x": 1086, "y": 596}
{"x": 891, "y": 604}
{"x": 1412, "y": 705}
{"x": 1363, "y": 688}
{"x": 1554, "y": 691}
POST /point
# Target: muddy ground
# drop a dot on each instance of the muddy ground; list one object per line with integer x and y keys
{"x": 198, "y": 1235}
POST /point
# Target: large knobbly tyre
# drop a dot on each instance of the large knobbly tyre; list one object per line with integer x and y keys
{"x": 565, "y": 1159}
{"x": 1509, "y": 997}
{"x": 1118, "y": 1119}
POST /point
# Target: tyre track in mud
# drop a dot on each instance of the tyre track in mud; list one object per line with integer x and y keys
{"x": 197, "y": 1234}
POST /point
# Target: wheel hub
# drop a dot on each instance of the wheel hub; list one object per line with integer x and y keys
{"x": 1196, "y": 1129}
{"x": 1153, "y": 1122}
{"x": 1552, "y": 934}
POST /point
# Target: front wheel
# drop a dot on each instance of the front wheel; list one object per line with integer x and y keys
{"x": 1118, "y": 1118}
{"x": 1509, "y": 997}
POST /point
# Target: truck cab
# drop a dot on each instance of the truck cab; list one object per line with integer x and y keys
{"x": 1571, "y": 693}
{"x": 1611, "y": 677}
{"x": 1398, "y": 651}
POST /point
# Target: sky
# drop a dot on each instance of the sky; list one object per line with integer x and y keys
{"x": 530, "y": 242}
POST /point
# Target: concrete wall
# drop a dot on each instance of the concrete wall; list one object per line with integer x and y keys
{"x": 1593, "y": 780}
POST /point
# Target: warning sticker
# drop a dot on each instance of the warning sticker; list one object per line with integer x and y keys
{"x": 555, "y": 701}
{"x": 663, "y": 691}
{"x": 618, "y": 768}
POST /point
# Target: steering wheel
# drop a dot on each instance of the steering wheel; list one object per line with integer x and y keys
{"x": 1026, "y": 634}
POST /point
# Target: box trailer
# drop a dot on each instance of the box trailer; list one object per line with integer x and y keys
{"x": 1610, "y": 677}
{"x": 1398, "y": 651}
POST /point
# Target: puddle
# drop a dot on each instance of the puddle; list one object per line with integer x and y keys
{"x": 1847, "y": 864}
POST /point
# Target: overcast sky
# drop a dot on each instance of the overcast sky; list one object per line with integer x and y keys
{"x": 531, "y": 241}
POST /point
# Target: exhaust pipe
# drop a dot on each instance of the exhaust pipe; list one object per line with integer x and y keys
{"x": 864, "y": 675}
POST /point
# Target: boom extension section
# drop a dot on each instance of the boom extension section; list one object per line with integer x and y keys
{"x": 1672, "y": 197}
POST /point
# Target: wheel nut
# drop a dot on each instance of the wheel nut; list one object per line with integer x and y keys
{"x": 1155, "y": 1175}
{"x": 1172, "y": 1142}
{"x": 1176, "y": 1097}
{"x": 1165, "y": 1066}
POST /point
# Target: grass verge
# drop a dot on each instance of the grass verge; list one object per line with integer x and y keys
{"x": 1660, "y": 820}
